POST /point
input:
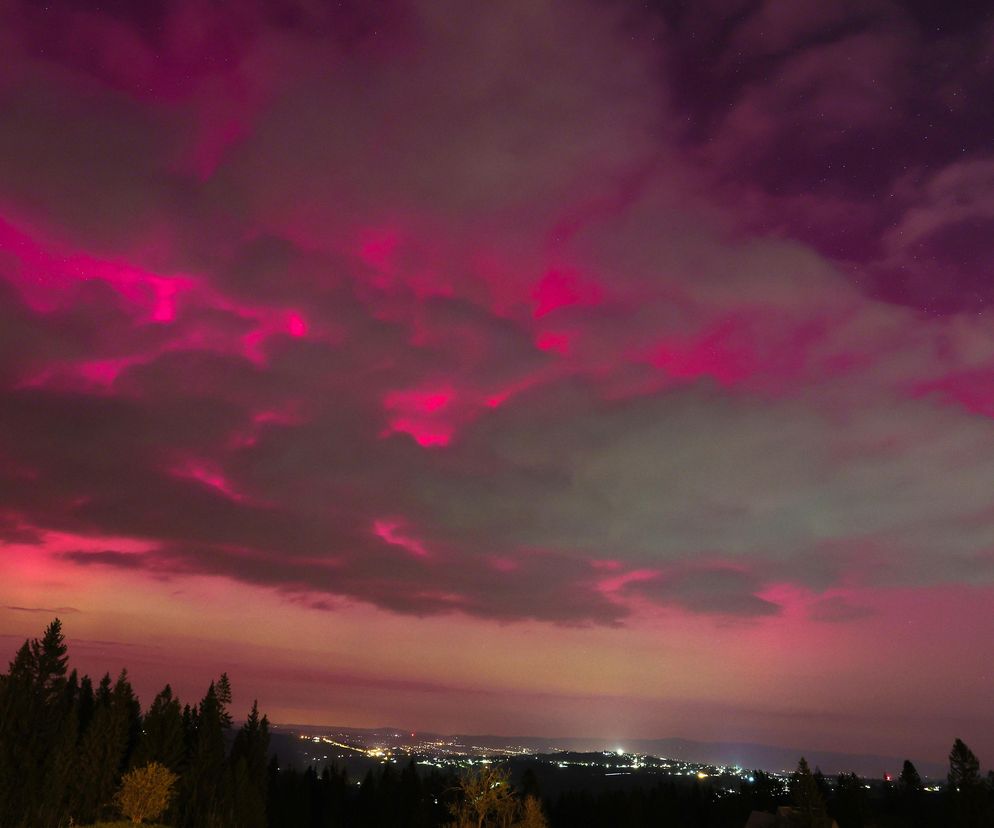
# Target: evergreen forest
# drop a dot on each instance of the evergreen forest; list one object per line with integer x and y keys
{"x": 78, "y": 753}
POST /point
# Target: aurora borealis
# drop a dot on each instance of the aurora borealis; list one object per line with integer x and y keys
{"x": 590, "y": 368}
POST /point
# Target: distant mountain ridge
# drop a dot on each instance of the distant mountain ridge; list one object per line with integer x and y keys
{"x": 744, "y": 754}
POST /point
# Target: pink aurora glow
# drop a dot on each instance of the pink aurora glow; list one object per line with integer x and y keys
{"x": 561, "y": 331}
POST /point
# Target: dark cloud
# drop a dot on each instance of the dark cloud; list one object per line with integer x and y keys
{"x": 544, "y": 587}
{"x": 716, "y": 590}
{"x": 43, "y": 610}
{"x": 107, "y": 557}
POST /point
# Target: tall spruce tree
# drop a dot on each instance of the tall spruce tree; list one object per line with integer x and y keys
{"x": 86, "y": 703}
{"x": 51, "y": 809}
{"x": 223, "y": 692}
{"x": 50, "y": 663}
{"x": 205, "y": 789}
{"x": 33, "y": 715}
{"x": 248, "y": 767}
{"x": 15, "y": 733}
{"x": 162, "y": 736}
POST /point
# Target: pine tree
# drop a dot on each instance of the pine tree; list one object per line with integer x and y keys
{"x": 964, "y": 767}
{"x": 50, "y": 663}
{"x": 86, "y": 704}
{"x": 966, "y": 790}
{"x": 850, "y": 800}
{"x": 909, "y": 781}
{"x": 909, "y": 794}
{"x": 104, "y": 747}
{"x": 33, "y": 714}
{"x": 808, "y": 801}
{"x": 205, "y": 789}
{"x": 335, "y": 791}
{"x": 162, "y": 735}
{"x": 248, "y": 765}
{"x": 411, "y": 799}
{"x": 52, "y": 809}
{"x": 16, "y": 714}
{"x": 821, "y": 782}
{"x": 223, "y": 692}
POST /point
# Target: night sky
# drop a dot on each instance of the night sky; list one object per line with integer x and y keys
{"x": 591, "y": 367}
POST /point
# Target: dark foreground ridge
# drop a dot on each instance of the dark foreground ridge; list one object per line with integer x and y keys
{"x": 72, "y": 754}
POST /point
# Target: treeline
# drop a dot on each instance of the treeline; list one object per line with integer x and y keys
{"x": 412, "y": 799}
{"x": 808, "y": 800}
{"x": 69, "y": 752}
{"x": 72, "y": 754}
{"x": 65, "y": 746}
